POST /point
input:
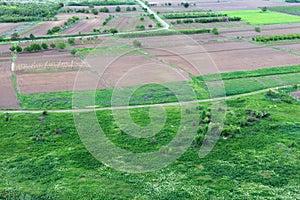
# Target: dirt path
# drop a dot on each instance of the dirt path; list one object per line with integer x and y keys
{"x": 8, "y": 97}
{"x": 143, "y": 106}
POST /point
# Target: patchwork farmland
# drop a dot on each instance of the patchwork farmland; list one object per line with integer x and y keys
{"x": 135, "y": 99}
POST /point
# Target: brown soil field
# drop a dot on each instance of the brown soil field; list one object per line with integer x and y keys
{"x": 52, "y": 82}
{"x": 294, "y": 48}
{"x": 227, "y": 56}
{"x": 4, "y": 49}
{"x": 66, "y": 16}
{"x": 51, "y": 59}
{"x": 8, "y": 98}
{"x": 229, "y": 25}
{"x": 5, "y": 27}
{"x": 41, "y": 28}
{"x": 296, "y": 94}
{"x": 128, "y": 22}
{"x": 235, "y": 56}
{"x": 122, "y": 72}
{"x": 218, "y": 6}
{"x": 85, "y": 26}
{"x": 265, "y": 30}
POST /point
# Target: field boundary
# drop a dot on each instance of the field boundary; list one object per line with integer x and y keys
{"x": 146, "y": 105}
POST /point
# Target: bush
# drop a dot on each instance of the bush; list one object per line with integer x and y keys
{"x": 44, "y": 46}
{"x": 95, "y": 11}
{"x": 104, "y": 9}
{"x": 137, "y": 44}
{"x": 257, "y": 29}
{"x": 61, "y": 45}
{"x": 19, "y": 49}
{"x": 128, "y": 9}
{"x": 52, "y": 46}
{"x": 113, "y": 30}
{"x": 118, "y": 9}
{"x": 71, "y": 41}
{"x": 215, "y": 31}
{"x": 74, "y": 51}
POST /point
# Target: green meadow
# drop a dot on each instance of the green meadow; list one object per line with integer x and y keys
{"x": 259, "y": 17}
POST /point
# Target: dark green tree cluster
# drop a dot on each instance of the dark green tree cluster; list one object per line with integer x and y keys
{"x": 276, "y": 37}
{"x": 20, "y": 12}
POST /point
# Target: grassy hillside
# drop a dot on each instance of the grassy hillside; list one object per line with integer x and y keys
{"x": 43, "y": 158}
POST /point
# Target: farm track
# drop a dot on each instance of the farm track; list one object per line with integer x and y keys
{"x": 143, "y": 106}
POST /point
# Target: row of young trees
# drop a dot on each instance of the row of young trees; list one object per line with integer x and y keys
{"x": 207, "y": 20}
{"x": 193, "y": 15}
{"x": 276, "y": 37}
{"x": 57, "y": 29}
{"x": 35, "y": 47}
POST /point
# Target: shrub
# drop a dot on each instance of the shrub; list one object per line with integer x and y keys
{"x": 44, "y": 46}
{"x": 137, "y": 44}
{"x": 95, "y": 11}
{"x": 61, "y": 45}
{"x": 118, "y": 9}
{"x": 104, "y": 9}
{"x": 52, "y": 46}
{"x": 113, "y": 30}
{"x": 71, "y": 41}
{"x": 128, "y": 9}
{"x": 73, "y": 51}
{"x": 215, "y": 31}
{"x": 257, "y": 29}
{"x": 19, "y": 49}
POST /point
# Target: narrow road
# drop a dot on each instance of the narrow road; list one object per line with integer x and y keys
{"x": 142, "y": 106}
{"x": 160, "y": 20}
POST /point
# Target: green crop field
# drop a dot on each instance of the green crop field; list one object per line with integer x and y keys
{"x": 45, "y": 159}
{"x": 294, "y": 10}
{"x": 259, "y": 18}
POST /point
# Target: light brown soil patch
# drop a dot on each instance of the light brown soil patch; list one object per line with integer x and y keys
{"x": 8, "y": 98}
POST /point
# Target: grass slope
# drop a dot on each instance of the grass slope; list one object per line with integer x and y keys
{"x": 46, "y": 159}
{"x": 258, "y": 17}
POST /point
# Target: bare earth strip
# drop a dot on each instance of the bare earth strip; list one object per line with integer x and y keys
{"x": 42, "y": 28}
{"x": 8, "y": 98}
{"x": 85, "y": 26}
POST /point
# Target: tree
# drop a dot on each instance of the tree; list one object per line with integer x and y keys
{"x": 118, "y": 9}
{"x": 134, "y": 9}
{"x": 257, "y": 29}
{"x": 31, "y": 36}
{"x": 35, "y": 47}
{"x": 113, "y": 30}
{"x": 142, "y": 18}
{"x": 215, "y": 31}
{"x": 71, "y": 41}
{"x": 52, "y": 46}
{"x": 104, "y": 9}
{"x": 13, "y": 48}
{"x": 73, "y": 52}
{"x": 128, "y": 9}
{"x": 95, "y": 11}
{"x": 19, "y": 49}
{"x": 44, "y": 46}
{"x": 264, "y": 9}
{"x": 186, "y": 5}
{"x": 137, "y": 44}
{"x": 61, "y": 45}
